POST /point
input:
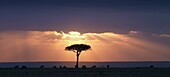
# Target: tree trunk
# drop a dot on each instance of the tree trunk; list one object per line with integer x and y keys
{"x": 77, "y": 62}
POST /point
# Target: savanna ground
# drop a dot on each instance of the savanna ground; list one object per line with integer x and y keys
{"x": 86, "y": 72}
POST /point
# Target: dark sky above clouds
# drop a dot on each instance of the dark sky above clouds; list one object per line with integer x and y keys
{"x": 137, "y": 30}
{"x": 121, "y": 16}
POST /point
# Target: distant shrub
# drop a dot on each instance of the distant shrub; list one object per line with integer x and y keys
{"x": 60, "y": 67}
{"x": 93, "y": 66}
{"x": 108, "y": 66}
{"x": 54, "y": 67}
{"x": 84, "y": 66}
{"x": 151, "y": 66}
{"x": 64, "y": 67}
{"x": 16, "y": 67}
{"x": 42, "y": 66}
{"x": 23, "y": 67}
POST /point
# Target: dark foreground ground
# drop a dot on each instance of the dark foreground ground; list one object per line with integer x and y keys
{"x": 88, "y": 72}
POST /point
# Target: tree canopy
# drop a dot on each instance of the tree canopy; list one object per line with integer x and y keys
{"x": 78, "y": 47}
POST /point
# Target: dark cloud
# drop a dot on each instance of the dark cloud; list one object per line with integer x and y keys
{"x": 119, "y": 16}
{"x": 87, "y": 3}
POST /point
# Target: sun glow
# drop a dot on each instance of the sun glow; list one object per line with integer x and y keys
{"x": 106, "y": 46}
{"x": 74, "y": 33}
{"x": 73, "y": 37}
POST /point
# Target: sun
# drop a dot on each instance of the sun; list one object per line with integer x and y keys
{"x": 74, "y": 33}
{"x": 73, "y": 37}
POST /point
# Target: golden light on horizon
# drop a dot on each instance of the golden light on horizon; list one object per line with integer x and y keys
{"x": 106, "y": 46}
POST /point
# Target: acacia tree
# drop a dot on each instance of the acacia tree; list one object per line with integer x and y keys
{"x": 78, "y": 48}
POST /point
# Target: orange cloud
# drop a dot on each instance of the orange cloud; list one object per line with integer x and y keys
{"x": 106, "y": 46}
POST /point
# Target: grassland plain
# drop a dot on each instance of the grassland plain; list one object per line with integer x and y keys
{"x": 86, "y": 72}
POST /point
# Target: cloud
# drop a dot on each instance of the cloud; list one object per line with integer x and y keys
{"x": 135, "y": 33}
{"x": 162, "y": 35}
{"x": 165, "y": 35}
{"x": 106, "y": 46}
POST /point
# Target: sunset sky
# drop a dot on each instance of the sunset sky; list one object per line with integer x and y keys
{"x": 117, "y": 30}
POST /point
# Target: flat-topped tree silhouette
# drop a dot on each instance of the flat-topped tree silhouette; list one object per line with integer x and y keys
{"x": 78, "y": 48}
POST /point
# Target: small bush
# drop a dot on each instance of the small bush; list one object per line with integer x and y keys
{"x": 83, "y": 66}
